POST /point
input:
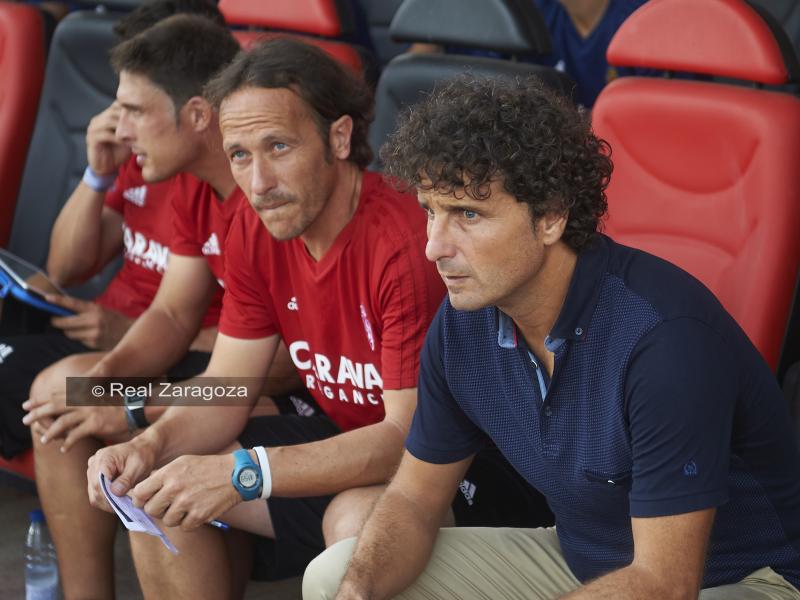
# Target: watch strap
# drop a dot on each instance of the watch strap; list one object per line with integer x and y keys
{"x": 134, "y": 411}
{"x": 137, "y": 412}
{"x": 132, "y": 426}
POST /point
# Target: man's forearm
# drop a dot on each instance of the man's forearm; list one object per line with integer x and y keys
{"x": 152, "y": 345}
{"x": 382, "y": 564}
{"x": 76, "y": 238}
{"x": 195, "y": 430}
{"x": 365, "y": 456}
{"x": 633, "y": 583}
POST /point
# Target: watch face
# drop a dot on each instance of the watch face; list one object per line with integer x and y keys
{"x": 248, "y": 478}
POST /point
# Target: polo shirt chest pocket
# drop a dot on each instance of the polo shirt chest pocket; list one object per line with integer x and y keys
{"x": 607, "y": 485}
{"x": 617, "y": 480}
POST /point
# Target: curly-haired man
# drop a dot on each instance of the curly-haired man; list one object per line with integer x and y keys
{"x": 614, "y": 382}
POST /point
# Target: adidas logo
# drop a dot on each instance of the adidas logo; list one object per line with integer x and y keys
{"x": 212, "y": 246}
{"x": 468, "y": 489}
{"x": 136, "y": 195}
{"x": 303, "y": 408}
{"x": 5, "y": 350}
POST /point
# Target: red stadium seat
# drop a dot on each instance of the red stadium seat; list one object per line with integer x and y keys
{"x": 347, "y": 55}
{"x": 317, "y": 17}
{"x": 21, "y": 465}
{"x": 307, "y": 17}
{"x": 21, "y": 73}
{"x": 706, "y": 173}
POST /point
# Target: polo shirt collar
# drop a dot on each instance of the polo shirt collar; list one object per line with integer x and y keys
{"x": 584, "y": 289}
{"x": 579, "y": 304}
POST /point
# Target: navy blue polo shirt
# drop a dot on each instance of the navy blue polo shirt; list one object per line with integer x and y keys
{"x": 658, "y": 405}
{"x": 584, "y": 59}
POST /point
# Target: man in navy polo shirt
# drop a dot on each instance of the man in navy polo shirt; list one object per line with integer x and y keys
{"x": 613, "y": 382}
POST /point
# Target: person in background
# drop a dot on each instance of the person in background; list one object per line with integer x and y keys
{"x": 580, "y": 32}
{"x": 112, "y": 211}
{"x": 171, "y": 135}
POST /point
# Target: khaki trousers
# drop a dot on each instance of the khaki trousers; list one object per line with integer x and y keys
{"x": 507, "y": 564}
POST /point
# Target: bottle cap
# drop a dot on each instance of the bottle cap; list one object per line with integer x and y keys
{"x": 36, "y": 516}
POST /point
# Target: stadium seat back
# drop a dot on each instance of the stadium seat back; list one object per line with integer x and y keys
{"x": 379, "y": 14}
{"x": 508, "y": 26}
{"x": 344, "y": 53}
{"x": 78, "y": 84}
{"x": 705, "y": 173}
{"x": 22, "y": 57}
{"x": 264, "y": 19}
{"x": 787, "y": 13}
{"x": 328, "y": 18}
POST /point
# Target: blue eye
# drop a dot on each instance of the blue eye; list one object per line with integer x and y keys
{"x": 470, "y": 214}
{"x": 279, "y": 146}
{"x": 238, "y": 155}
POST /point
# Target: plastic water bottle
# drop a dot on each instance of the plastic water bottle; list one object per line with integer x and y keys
{"x": 41, "y": 568}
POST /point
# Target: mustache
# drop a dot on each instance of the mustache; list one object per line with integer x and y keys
{"x": 271, "y": 199}
{"x": 448, "y": 267}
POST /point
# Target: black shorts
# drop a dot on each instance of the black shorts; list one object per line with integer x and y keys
{"x": 23, "y": 357}
{"x": 492, "y": 494}
{"x": 297, "y": 522}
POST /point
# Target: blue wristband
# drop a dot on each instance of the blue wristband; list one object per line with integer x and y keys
{"x": 98, "y": 183}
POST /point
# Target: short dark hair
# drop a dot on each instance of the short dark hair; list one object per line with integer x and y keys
{"x": 151, "y": 12}
{"x": 179, "y": 54}
{"x": 472, "y": 130}
{"x": 329, "y": 89}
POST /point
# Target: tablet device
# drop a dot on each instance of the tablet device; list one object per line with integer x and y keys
{"x": 28, "y": 283}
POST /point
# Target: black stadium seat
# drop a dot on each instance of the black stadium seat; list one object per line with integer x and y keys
{"x": 787, "y": 13}
{"x": 379, "y": 15}
{"x": 79, "y": 83}
{"x": 513, "y": 27}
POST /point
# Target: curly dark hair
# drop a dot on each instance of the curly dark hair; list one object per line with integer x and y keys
{"x": 474, "y": 130}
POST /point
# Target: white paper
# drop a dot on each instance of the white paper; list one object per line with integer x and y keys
{"x": 135, "y": 519}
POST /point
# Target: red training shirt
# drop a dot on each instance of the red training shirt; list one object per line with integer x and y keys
{"x": 147, "y": 230}
{"x": 355, "y": 321}
{"x": 200, "y": 224}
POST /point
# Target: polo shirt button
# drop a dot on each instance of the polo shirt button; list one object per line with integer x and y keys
{"x": 578, "y": 331}
{"x": 548, "y": 412}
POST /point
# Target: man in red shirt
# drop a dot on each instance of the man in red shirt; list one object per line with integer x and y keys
{"x": 112, "y": 210}
{"x": 329, "y": 259}
{"x": 173, "y": 134}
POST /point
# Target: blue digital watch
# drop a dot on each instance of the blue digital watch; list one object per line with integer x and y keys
{"x": 246, "y": 477}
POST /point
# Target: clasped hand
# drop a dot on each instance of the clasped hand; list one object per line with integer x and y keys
{"x": 187, "y": 493}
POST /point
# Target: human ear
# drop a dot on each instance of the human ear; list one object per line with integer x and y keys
{"x": 198, "y": 112}
{"x": 339, "y": 137}
{"x": 551, "y": 227}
